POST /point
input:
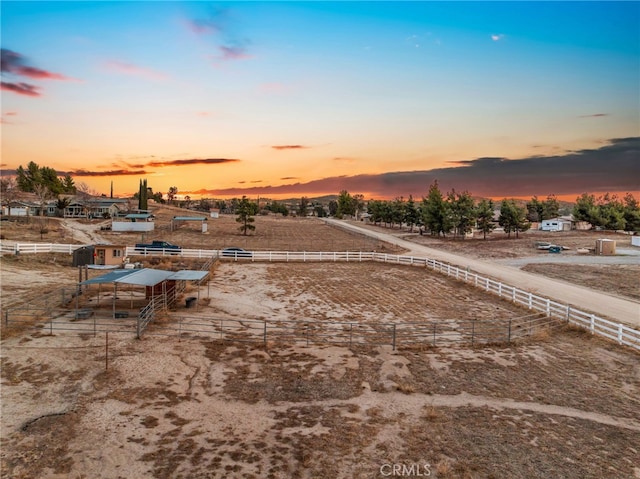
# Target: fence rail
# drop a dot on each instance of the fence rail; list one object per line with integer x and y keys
{"x": 596, "y": 325}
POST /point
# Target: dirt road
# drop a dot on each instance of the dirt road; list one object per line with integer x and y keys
{"x": 608, "y": 306}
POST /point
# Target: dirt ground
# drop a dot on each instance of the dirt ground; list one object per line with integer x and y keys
{"x": 613, "y": 277}
{"x": 74, "y": 405}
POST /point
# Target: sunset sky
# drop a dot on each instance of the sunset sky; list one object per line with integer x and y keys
{"x": 285, "y": 99}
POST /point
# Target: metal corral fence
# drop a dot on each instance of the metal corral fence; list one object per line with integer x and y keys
{"x": 428, "y": 333}
{"x": 596, "y": 325}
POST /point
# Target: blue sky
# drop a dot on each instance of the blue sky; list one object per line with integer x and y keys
{"x": 293, "y": 98}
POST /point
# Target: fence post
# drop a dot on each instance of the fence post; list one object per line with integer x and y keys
{"x": 548, "y": 307}
{"x": 619, "y": 333}
{"x": 530, "y": 301}
{"x": 592, "y": 326}
{"x": 106, "y": 351}
{"x": 6, "y": 318}
{"x": 350, "y": 334}
{"x": 138, "y": 327}
{"x": 394, "y": 336}
{"x": 568, "y": 312}
{"x": 509, "y": 331}
{"x": 435, "y": 325}
{"x": 500, "y": 289}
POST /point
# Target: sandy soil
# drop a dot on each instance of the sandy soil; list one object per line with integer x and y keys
{"x": 616, "y": 309}
{"x": 83, "y": 406}
{"x": 74, "y": 405}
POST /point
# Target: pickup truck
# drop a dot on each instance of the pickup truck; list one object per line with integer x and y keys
{"x": 158, "y": 246}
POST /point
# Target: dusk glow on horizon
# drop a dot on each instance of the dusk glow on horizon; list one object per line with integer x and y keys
{"x": 286, "y": 99}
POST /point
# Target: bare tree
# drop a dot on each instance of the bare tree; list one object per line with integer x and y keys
{"x": 9, "y": 191}
{"x": 43, "y": 193}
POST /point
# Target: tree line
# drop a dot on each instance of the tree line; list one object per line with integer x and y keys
{"x": 458, "y": 213}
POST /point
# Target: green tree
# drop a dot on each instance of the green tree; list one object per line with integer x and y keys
{"x": 346, "y": 205}
{"x": 631, "y": 213}
{"x": 513, "y": 218}
{"x": 246, "y": 211}
{"x": 143, "y": 202}
{"x": 587, "y": 210}
{"x": 462, "y": 212}
{"x": 611, "y": 211}
{"x": 34, "y": 175}
{"x": 484, "y": 211}
{"x": 538, "y": 210}
{"x": 411, "y": 213}
{"x": 434, "y": 212}
{"x": 61, "y": 205}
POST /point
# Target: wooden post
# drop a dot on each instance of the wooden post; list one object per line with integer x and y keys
{"x": 106, "y": 351}
{"x": 509, "y": 332}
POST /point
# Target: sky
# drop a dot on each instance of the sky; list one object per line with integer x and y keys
{"x": 288, "y": 99}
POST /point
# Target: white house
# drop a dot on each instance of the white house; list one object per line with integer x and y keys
{"x": 556, "y": 224}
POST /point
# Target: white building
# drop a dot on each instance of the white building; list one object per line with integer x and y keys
{"x": 556, "y": 224}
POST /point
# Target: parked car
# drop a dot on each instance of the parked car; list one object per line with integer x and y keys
{"x": 234, "y": 252}
{"x": 158, "y": 246}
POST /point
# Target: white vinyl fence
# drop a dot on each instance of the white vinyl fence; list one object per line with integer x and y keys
{"x": 596, "y": 325}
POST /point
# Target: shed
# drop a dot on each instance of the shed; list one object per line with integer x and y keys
{"x": 137, "y": 222}
{"x": 83, "y": 256}
{"x": 605, "y": 247}
{"x": 177, "y": 221}
{"x": 108, "y": 254}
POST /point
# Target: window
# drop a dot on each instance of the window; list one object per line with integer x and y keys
{"x": 117, "y": 253}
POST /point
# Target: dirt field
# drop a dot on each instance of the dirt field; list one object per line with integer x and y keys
{"x": 616, "y": 277}
{"x": 560, "y": 405}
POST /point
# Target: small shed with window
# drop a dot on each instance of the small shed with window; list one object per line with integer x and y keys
{"x": 108, "y": 254}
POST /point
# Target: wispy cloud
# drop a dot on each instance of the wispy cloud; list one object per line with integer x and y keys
{"x": 21, "y": 88}
{"x": 231, "y": 44}
{"x": 232, "y": 52}
{"x": 496, "y": 37}
{"x": 131, "y": 69}
{"x": 290, "y": 147}
{"x": 83, "y": 172}
{"x": 192, "y": 161}
{"x": 14, "y": 64}
{"x": 595, "y": 115}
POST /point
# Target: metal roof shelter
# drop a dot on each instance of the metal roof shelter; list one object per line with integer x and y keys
{"x": 138, "y": 216}
{"x": 147, "y": 277}
{"x": 176, "y": 219}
